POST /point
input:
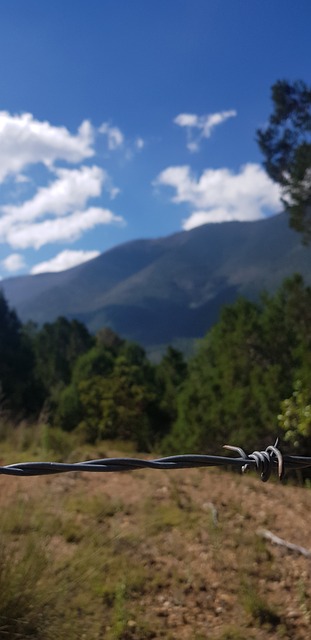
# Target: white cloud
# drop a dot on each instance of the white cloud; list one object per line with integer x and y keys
{"x": 65, "y": 229}
{"x": 115, "y": 137}
{"x": 187, "y": 120}
{"x": 67, "y": 194}
{"x": 64, "y": 260}
{"x": 220, "y": 195}
{"x": 25, "y": 141}
{"x": 203, "y": 124}
{"x": 117, "y": 141}
{"x": 61, "y": 209}
{"x": 14, "y": 262}
{"x": 70, "y": 190}
{"x": 139, "y": 143}
{"x": 114, "y": 192}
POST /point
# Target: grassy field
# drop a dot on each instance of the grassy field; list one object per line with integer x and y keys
{"x": 150, "y": 554}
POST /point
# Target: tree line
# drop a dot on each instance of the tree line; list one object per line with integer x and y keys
{"x": 248, "y": 381}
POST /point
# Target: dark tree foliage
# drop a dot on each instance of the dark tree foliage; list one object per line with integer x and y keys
{"x": 286, "y": 146}
{"x": 112, "y": 395}
{"x": 253, "y": 366}
{"x": 171, "y": 373}
{"x": 20, "y": 391}
{"x": 95, "y": 364}
{"x": 245, "y": 366}
{"x": 108, "y": 338}
{"x": 57, "y": 346}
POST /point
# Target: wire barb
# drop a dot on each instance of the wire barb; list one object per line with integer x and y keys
{"x": 264, "y": 462}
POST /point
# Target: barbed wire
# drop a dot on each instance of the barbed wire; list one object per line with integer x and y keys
{"x": 264, "y": 462}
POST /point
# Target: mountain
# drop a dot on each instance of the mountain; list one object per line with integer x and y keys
{"x": 157, "y": 291}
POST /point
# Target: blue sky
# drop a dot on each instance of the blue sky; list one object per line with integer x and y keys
{"x": 123, "y": 119}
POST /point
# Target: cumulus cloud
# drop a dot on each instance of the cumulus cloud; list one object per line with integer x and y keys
{"x": 25, "y": 141}
{"x": 115, "y": 137}
{"x": 220, "y": 195}
{"x": 64, "y": 260}
{"x": 62, "y": 208}
{"x": 14, "y": 262}
{"x": 199, "y": 127}
{"x": 66, "y": 197}
{"x": 66, "y": 229}
{"x": 70, "y": 190}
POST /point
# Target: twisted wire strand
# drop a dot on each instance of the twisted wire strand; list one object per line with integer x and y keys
{"x": 264, "y": 462}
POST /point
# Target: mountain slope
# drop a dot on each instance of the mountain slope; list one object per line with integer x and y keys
{"x": 154, "y": 291}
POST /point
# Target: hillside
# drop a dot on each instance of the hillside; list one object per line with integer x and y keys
{"x": 154, "y": 291}
{"x": 153, "y": 554}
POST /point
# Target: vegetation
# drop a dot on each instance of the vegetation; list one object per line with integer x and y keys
{"x": 20, "y": 390}
{"x": 286, "y": 145}
{"x": 140, "y": 555}
{"x": 148, "y": 558}
{"x": 249, "y": 378}
{"x": 295, "y": 416}
{"x": 243, "y": 370}
{"x": 252, "y": 369}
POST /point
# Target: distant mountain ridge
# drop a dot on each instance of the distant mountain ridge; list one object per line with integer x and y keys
{"x": 157, "y": 291}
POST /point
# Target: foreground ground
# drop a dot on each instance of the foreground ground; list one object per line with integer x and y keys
{"x": 153, "y": 554}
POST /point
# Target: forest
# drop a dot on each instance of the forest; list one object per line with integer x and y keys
{"x": 248, "y": 381}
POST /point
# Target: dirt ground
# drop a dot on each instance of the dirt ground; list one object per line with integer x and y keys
{"x": 208, "y": 572}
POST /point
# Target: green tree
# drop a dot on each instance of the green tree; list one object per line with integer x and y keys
{"x": 295, "y": 418}
{"x": 108, "y": 338}
{"x": 57, "y": 347}
{"x": 112, "y": 394}
{"x": 286, "y": 146}
{"x": 21, "y": 392}
{"x": 244, "y": 368}
{"x": 92, "y": 366}
{"x": 119, "y": 402}
{"x": 171, "y": 373}
{"x": 218, "y": 402}
{"x": 116, "y": 408}
{"x": 68, "y": 412}
{"x": 98, "y": 361}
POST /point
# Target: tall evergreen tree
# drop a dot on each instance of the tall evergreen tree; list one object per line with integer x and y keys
{"x": 19, "y": 389}
{"x": 58, "y": 345}
{"x": 286, "y": 146}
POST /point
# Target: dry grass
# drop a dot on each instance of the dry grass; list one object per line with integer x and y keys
{"x": 139, "y": 555}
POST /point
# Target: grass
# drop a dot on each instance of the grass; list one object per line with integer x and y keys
{"x": 139, "y": 556}
{"x": 304, "y": 598}
{"x": 22, "y": 600}
{"x": 260, "y": 610}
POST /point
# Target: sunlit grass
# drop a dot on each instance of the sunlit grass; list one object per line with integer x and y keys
{"x": 81, "y": 559}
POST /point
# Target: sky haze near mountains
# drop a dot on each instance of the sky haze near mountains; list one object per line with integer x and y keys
{"x": 124, "y": 120}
